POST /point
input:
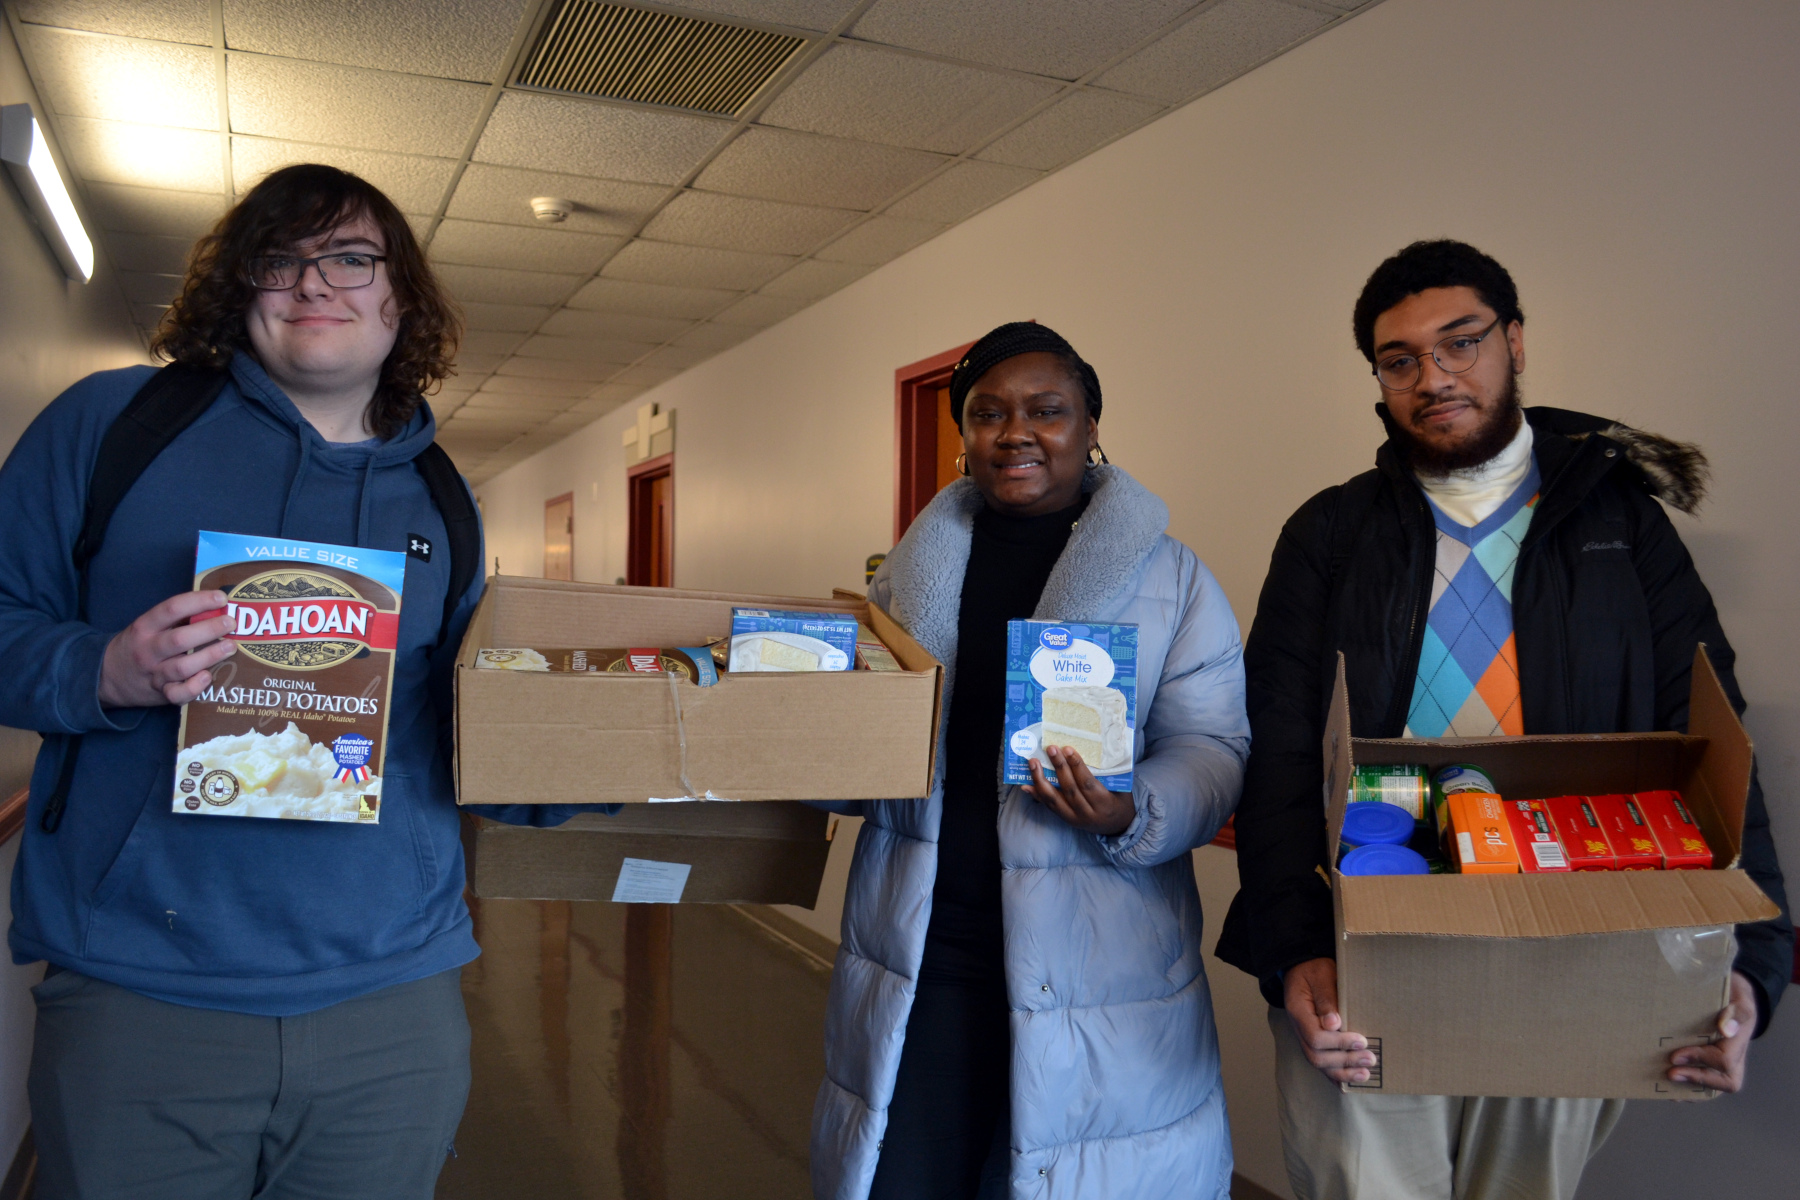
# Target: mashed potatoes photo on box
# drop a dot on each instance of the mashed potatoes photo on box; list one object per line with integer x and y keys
{"x": 282, "y": 774}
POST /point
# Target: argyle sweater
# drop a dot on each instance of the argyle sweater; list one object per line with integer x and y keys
{"x": 1468, "y": 681}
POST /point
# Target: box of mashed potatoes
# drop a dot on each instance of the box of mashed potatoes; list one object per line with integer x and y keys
{"x": 294, "y": 724}
{"x": 656, "y": 738}
{"x": 1547, "y": 982}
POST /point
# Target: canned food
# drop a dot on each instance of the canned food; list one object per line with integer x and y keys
{"x": 1404, "y": 785}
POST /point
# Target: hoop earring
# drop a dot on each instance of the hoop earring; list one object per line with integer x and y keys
{"x": 1104, "y": 461}
{"x": 962, "y": 463}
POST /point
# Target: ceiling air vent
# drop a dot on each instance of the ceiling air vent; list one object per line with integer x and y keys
{"x": 623, "y": 53}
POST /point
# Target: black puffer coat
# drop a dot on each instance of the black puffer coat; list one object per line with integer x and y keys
{"x": 1607, "y": 610}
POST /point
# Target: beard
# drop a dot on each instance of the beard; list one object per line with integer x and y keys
{"x": 1500, "y": 424}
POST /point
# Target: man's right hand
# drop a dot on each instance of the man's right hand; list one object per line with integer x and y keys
{"x": 1310, "y": 992}
{"x": 161, "y": 659}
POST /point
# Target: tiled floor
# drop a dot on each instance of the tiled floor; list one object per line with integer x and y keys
{"x": 640, "y": 1052}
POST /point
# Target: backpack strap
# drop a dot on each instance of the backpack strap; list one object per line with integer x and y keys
{"x": 170, "y": 401}
{"x": 461, "y": 522}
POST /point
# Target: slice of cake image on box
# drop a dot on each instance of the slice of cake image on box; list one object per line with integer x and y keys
{"x": 295, "y": 722}
{"x": 1075, "y": 685}
{"x": 766, "y": 640}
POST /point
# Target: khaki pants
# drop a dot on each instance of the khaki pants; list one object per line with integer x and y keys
{"x": 1367, "y": 1146}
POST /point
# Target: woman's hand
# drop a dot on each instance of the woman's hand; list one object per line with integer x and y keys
{"x": 1082, "y": 801}
{"x": 162, "y": 658}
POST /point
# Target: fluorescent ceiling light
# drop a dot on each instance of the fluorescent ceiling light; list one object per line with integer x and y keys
{"x": 28, "y": 157}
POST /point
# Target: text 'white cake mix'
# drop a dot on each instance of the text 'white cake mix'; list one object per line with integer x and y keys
{"x": 295, "y": 723}
{"x": 1071, "y": 685}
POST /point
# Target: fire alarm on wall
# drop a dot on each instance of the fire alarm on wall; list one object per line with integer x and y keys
{"x": 550, "y": 210}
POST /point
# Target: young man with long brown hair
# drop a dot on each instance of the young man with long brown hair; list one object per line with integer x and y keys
{"x": 238, "y": 1007}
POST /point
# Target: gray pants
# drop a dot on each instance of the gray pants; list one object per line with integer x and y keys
{"x": 1367, "y": 1146}
{"x": 134, "y": 1097}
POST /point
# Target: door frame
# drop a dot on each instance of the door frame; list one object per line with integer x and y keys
{"x": 915, "y": 432}
{"x": 637, "y": 490}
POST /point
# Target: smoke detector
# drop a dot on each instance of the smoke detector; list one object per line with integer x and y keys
{"x": 550, "y": 210}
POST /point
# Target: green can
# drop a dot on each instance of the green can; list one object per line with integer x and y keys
{"x": 1446, "y": 782}
{"x": 1404, "y": 785}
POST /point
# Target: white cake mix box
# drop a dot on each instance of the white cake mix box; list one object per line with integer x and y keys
{"x": 295, "y": 723}
{"x": 772, "y": 640}
{"x": 1075, "y": 685}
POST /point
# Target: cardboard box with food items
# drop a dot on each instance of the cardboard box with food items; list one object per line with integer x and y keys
{"x": 1585, "y": 933}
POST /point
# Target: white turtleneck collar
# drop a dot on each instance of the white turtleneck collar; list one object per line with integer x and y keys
{"x": 1470, "y": 495}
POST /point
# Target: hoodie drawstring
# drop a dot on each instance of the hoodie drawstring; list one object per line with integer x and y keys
{"x": 367, "y": 501}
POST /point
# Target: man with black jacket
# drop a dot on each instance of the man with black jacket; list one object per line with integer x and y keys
{"x": 1502, "y": 571}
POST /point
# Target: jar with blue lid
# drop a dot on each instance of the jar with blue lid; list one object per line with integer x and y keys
{"x": 1384, "y": 859}
{"x": 1376, "y": 823}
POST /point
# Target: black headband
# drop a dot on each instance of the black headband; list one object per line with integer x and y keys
{"x": 1010, "y": 341}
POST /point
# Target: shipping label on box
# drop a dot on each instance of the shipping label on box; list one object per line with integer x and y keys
{"x": 295, "y": 722}
{"x": 1071, "y": 685}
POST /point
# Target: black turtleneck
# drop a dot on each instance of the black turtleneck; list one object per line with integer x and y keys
{"x": 1010, "y": 560}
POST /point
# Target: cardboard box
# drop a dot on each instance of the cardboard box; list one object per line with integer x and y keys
{"x": 1677, "y": 835}
{"x": 732, "y": 854}
{"x": 1481, "y": 839}
{"x": 1576, "y": 984}
{"x": 1584, "y": 842}
{"x": 1634, "y": 846}
{"x": 536, "y": 738}
{"x": 1534, "y": 835}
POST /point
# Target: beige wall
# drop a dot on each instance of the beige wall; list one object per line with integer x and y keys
{"x": 1633, "y": 163}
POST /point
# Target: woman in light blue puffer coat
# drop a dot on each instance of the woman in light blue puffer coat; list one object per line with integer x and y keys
{"x": 1114, "y": 1083}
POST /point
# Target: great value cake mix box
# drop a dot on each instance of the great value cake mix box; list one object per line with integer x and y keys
{"x": 770, "y": 640}
{"x": 1072, "y": 685}
{"x": 295, "y": 722}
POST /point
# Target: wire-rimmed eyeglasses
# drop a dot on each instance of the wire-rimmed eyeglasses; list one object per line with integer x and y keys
{"x": 1455, "y": 354}
{"x": 279, "y": 272}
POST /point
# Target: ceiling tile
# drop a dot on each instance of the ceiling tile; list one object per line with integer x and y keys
{"x": 518, "y": 385}
{"x": 961, "y": 190}
{"x": 880, "y": 96}
{"x": 115, "y": 79}
{"x": 485, "y": 342}
{"x": 817, "y": 15}
{"x": 587, "y": 350}
{"x": 1061, "y": 38}
{"x": 494, "y": 285}
{"x": 153, "y": 210}
{"x": 812, "y": 279}
{"x": 563, "y": 424}
{"x": 148, "y": 315}
{"x": 478, "y": 243}
{"x": 415, "y": 185}
{"x": 508, "y": 318}
{"x": 185, "y": 160}
{"x": 650, "y": 299}
{"x": 1069, "y": 129}
{"x": 694, "y": 266}
{"x": 149, "y": 252}
{"x": 1219, "y": 44}
{"x": 571, "y": 322}
{"x": 678, "y": 358}
{"x": 760, "y": 311}
{"x": 647, "y": 376}
{"x": 524, "y": 405}
{"x": 165, "y": 20}
{"x": 583, "y": 137}
{"x": 504, "y": 194}
{"x": 778, "y": 164}
{"x": 459, "y": 39}
{"x": 609, "y": 396}
{"x": 879, "y": 239}
{"x": 149, "y": 289}
{"x": 556, "y": 368}
{"x": 714, "y": 337}
{"x": 345, "y": 106}
{"x": 739, "y": 223}
{"x": 479, "y": 363}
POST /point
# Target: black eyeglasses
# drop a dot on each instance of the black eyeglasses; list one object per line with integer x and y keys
{"x": 279, "y": 272}
{"x": 1456, "y": 354}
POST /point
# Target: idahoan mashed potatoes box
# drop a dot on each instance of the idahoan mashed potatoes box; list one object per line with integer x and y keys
{"x": 295, "y": 723}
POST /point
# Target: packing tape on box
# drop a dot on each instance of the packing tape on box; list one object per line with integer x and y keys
{"x": 1697, "y": 953}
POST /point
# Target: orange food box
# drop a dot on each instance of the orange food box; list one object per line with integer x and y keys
{"x": 1481, "y": 836}
{"x": 1578, "y": 827}
{"x": 1683, "y": 846}
{"x": 1633, "y": 842}
{"x": 1534, "y": 835}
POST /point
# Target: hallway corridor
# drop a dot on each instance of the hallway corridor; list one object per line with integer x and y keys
{"x": 637, "y": 1052}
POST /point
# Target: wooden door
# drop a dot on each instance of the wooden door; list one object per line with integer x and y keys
{"x": 949, "y": 441}
{"x": 559, "y": 537}
{"x": 926, "y": 440}
{"x": 650, "y": 556}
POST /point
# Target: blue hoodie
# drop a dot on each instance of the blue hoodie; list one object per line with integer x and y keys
{"x": 270, "y": 917}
